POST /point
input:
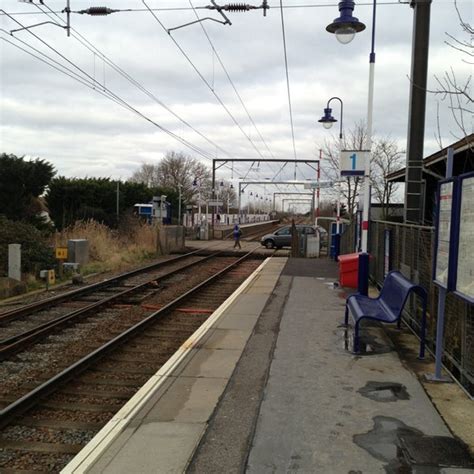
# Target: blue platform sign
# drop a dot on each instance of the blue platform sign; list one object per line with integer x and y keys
{"x": 352, "y": 162}
{"x": 464, "y": 250}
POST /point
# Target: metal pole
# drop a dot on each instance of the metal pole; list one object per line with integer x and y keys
{"x": 213, "y": 192}
{"x": 438, "y": 377}
{"x": 363, "y": 275}
{"x": 318, "y": 190}
{"x": 239, "y": 202}
{"x": 199, "y": 204}
{"x": 417, "y": 111}
{"x": 179, "y": 205}
{"x": 118, "y": 200}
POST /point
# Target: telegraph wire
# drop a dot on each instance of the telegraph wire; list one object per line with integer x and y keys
{"x": 285, "y": 7}
{"x": 87, "y": 44}
{"x": 230, "y": 80}
{"x": 118, "y": 98}
{"x": 229, "y": 113}
{"x": 288, "y": 82}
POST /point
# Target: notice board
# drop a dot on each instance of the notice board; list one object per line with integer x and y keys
{"x": 464, "y": 267}
{"x": 443, "y": 233}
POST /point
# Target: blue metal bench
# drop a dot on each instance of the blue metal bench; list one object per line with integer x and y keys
{"x": 387, "y": 307}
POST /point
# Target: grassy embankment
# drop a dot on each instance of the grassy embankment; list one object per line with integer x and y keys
{"x": 112, "y": 250}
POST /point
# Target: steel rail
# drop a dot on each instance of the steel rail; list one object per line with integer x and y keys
{"x": 30, "y": 399}
{"x": 16, "y": 343}
{"x": 27, "y": 309}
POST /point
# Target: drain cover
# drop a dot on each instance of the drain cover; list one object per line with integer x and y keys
{"x": 440, "y": 451}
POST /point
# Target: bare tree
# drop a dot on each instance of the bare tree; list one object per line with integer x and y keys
{"x": 386, "y": 158}
{"x": 174, "y": 171}
{"x": 146, "y": 175}
{"x": 353, "y": 140}
{"x": 456, "y": 91}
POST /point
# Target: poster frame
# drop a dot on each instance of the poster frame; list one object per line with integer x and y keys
{"x": 455, "y": 242}
{"x": 449, "y": 286}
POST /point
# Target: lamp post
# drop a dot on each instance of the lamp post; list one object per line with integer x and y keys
{"x": 179, "y": 204}
{"x": 198, "y": 185}
{"x": 328, "y": 120}
{"x": 345, "y": 27}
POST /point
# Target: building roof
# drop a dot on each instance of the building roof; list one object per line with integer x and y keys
{"x": 430, "y": 162}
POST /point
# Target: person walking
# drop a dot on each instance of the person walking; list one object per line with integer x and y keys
{"x": 237, "y": 233}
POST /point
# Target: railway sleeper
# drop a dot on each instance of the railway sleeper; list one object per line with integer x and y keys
{"x": 80, "y": 407}
{"x": 38, "y": 447}
{"x": 59, "y": 424}
{"x": 98, "y": 393}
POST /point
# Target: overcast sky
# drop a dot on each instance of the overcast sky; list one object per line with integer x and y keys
{"x": 46, "y": 114}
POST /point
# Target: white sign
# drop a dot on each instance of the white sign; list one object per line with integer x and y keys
{"x": 352, "y": 162}
{"x": 215, "y": 203}
{"x": 444, "y": 233}
{"x": 465, "y": 264}
{"x": 320, "y": 185}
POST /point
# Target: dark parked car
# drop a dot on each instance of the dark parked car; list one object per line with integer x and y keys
{"x": 282, "y": 237}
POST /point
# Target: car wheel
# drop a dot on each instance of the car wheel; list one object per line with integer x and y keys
{"x": 269, "y": 244}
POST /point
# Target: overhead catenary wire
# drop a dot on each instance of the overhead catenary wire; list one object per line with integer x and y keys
{"x": 117, "y": 99}
{"x": 285, "y": 7}
{"x": 217, "y": 55}
{"x": 97, "y": 84}
{"x": 285, "y": 54}
{"x": 87, "y": 44}
{"x": 204, "y": 80}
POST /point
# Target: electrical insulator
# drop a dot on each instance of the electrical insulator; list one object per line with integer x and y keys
{"x": 238, "y": 7}
{"x": 97, "y": 11}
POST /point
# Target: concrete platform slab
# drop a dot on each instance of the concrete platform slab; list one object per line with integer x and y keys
{"x": 247, "y": 304}
{"x": 238, "y": 321}
{"x": 212, "y": 363}
{"x": 188, "y": 400}
{"x": 153, "y": 448}
{"x": 227, "y": 339}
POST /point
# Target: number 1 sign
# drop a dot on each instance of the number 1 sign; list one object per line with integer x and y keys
{"x": 352, "y": 162}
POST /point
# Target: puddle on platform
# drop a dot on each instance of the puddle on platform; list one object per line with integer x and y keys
{"x": 384, "y": 391}
{"x": 407, "y": 450}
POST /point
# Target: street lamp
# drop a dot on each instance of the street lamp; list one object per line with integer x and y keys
{"x": 328, "y": 120}
{"x": 349, "y": 22}
{"x": 346, "y": 26}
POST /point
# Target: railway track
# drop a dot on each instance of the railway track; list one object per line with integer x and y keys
{"x": 45, "y": 427}
{"x": 23, "y": 326}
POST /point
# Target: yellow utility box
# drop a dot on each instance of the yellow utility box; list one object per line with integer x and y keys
{"x": 61, "y": 253}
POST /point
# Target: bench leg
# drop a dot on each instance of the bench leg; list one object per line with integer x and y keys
{"x": 399, "y": 322}
{"x": 346, "y": 316}
{"x": 423, "y": 331}
{"x": 356, "y": 338}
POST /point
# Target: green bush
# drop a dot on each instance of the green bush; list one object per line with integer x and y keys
{"x": 36, "y": 253}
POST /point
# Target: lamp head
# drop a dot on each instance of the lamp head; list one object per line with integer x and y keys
{"x": 327, "y": 119}
{"x": 346, "y": 26}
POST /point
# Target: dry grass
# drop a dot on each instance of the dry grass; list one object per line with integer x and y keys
{"x": 111, "y": 249}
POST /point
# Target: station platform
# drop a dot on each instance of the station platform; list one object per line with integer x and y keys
{"x": 268, "y": 385}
